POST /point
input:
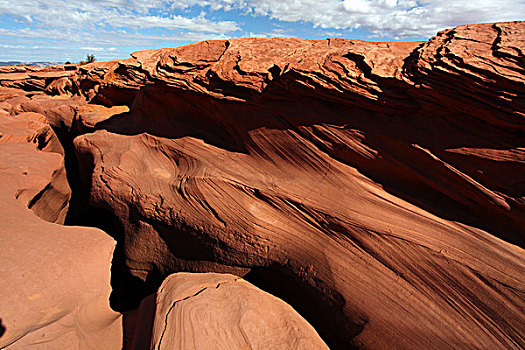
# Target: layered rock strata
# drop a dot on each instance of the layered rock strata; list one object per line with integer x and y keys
{"x": 377, "y": 187}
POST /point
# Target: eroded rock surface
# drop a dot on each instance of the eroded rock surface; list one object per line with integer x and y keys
{"x": 379, "y": 188}
{"x": 55, "y": 279}
{"x": 51, "y": 200}
{"x": 217, "y": 311}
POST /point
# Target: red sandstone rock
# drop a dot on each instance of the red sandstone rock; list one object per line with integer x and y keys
{"x": 377, "y": 187}
{"x": 360, "y": 254}
{"x": 328, "y": 162}
{"x": 55, "y": 279}
{"x": 59, "y": 111}
{"x": 32, "y": 80}
{"x": 213, "y": 311}
{"x": 50, "y": 201}
{"x": 30, "y": 127}
{"x": 87, "y": 117}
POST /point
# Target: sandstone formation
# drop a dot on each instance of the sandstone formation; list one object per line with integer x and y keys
{"x": 378, "y": 188}
{"x": 218, "y": 311}
{"x": 31, "y": 79}
{"x": 50, "y": 200}
{"x": 55, "y": 279}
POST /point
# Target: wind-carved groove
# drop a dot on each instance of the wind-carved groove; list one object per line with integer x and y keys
{"x": 39, "y": 195}
{"x": 442, "y": 49}
{"x": 190, "y": 67}
{"x": 210, "y": 209}
{"x": 497, "y": 41}
{"x": 226, "y": 46}
{"x": 518, "y": 60}
{"x": 409, "y": 69}
{"x": 239, "y": 70}
{"x": 359, "y": 61}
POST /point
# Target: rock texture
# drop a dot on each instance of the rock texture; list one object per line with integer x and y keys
{"x": 214, "y": 311}
{"x": 379, "y": 188}
{"x": 51, "y": 200}
{"x": 55, "y": 279}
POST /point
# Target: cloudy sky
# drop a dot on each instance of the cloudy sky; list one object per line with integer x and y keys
{"x": 60, "y": 30}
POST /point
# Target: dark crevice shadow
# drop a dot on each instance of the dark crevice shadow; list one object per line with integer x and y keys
{"x": 127, "y": 290}
{"x": 138, "y": 325}
{"x": 71, "y": 166}
{"x": 2, "y": 328}
{"x": 325, "y": 315}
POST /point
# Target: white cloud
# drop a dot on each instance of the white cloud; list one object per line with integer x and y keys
{"x": 115, "y": 27}
{"x": 387, "y": 18}
{"x": 199, "y": 24}
{"x": 76, "y": 14}
{"x": 100, "y": 26}
{"x": 102, "y": 39}
{"x": 8, "y": 46}
{"x": 97, "y": 49}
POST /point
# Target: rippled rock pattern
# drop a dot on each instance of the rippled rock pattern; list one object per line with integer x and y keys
{"x": 219, "y": 311}
{"x": 378, "y": 188}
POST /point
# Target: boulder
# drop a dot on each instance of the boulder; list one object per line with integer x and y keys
{"x": 214, "y": 311}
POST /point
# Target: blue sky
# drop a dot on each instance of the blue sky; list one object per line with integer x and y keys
{"x": 60, "y": 30}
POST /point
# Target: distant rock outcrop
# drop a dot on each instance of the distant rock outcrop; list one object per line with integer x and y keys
{"x": 378, "y": 188}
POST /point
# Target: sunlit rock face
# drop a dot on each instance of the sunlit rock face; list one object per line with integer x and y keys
{"x": 378, "y": 188}
{"x": 56, "y": 279}
{"x": 219, "y": 311}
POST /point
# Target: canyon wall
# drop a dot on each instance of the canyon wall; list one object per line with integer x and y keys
{"x": 378, "y": 188}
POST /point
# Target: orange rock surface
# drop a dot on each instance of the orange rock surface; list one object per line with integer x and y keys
{"x": 378, "y": 188}
{"x": 219, "y": 311}
{"x": 55, "y": 279}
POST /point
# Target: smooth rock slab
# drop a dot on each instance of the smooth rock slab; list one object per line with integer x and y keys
{"x": 55, "y": 279}
{"x": 220, "y": 311}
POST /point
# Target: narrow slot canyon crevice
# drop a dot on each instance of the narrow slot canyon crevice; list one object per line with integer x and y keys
{"x": 129, "y": 290}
